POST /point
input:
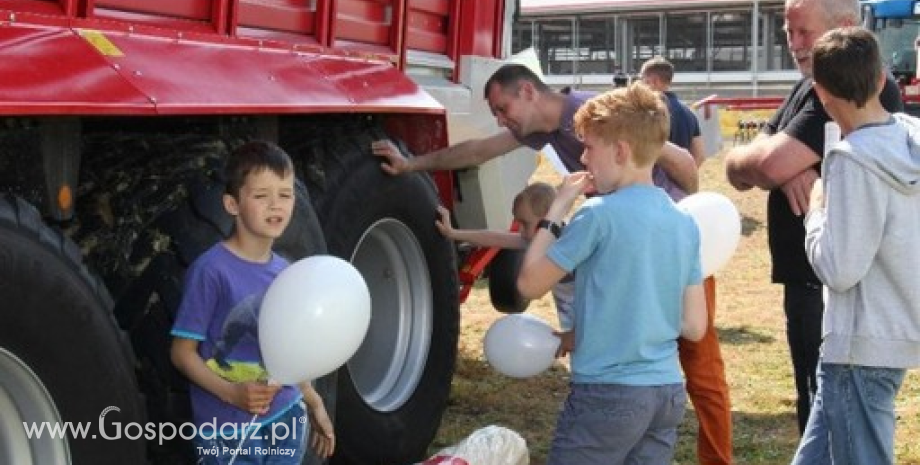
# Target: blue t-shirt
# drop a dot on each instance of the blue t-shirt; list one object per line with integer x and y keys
{"x": 684, "y": 125}
{"x": 635, "y": 253}
{"x": 220, "y": 310}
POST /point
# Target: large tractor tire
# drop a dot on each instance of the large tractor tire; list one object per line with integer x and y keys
{"x": 62, "y": 356}
{"x": 392, "y": 392}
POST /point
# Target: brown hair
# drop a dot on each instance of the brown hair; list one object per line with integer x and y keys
{"x": 253, "y": 157}
{"x": 848, "y": 64}
{"x": 509, "y": 78}
{"x": 538, "y": 196}
{"x": 658, "y": 67}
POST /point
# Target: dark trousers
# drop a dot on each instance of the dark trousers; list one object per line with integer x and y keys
{"x": 804, "y": 309}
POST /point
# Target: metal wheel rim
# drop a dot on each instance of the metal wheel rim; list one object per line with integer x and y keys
{"x": 24, "y": 400}
{"x": 388, "y": 366}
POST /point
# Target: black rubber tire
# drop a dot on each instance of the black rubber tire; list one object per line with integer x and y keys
{"x": 57, "y": 320}
{"x": 354, "y": 199}
{"x": 503, "y": 291}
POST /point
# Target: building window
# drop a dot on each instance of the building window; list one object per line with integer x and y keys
{"x": 731, "y": 41}
{"x": 643, "y": 41}
{"x": 555, "y": 44}
{"x": 596, "y": 46}
{"x": 522, "y": 36}
{"x": 775, "y": 55}
{"x": 686, "y": 43}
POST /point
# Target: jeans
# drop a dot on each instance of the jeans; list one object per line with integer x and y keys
{"x": 852, "y": 419}
{"x": 705, "y": 372}
{"x": 804, "y": 307}
{"x": 281, "y": 442}
{"x": 612, "y": 424}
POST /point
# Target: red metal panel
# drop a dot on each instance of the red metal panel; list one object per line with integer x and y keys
{"x": 228, "y": 79}
{"x": 480, "y": 27}
{"x": 366, "y": 24}
{"x": 196, "y": 10}
{"x": 284, "y": 15}
{"x": 428, "y": 26}
{"x": 33, "y": 6}
{"x": 52, "y": 71}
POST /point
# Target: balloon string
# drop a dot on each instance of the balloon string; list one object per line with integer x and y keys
{"x": 239, "y": 447}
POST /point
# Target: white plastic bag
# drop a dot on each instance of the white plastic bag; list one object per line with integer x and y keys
{"x": 492, "y": 445}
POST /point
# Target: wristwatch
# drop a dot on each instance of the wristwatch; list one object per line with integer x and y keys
{"x": 550, "y": 226}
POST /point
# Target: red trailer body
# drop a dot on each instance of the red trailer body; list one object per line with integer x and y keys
{"x": 116, "y": 116}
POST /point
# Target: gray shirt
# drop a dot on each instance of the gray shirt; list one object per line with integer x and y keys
{"x": 864, "y": 246}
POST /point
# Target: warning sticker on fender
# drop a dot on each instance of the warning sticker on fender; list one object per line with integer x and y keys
{"x": 101, "y": 43}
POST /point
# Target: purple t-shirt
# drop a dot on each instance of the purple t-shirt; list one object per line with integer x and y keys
{"x": 569, "y": 147}
{"x": 220, "y": 310}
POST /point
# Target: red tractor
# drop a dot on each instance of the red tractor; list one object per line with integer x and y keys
{"x": 115, "y": 117}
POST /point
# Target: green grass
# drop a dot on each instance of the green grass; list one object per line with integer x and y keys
{"x": 750, "y": 323}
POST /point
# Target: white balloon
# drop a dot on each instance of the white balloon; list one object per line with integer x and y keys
{"x": 720, "y": 228}
{"x": 520, "y": 345}
{"x": 313, "y": 318}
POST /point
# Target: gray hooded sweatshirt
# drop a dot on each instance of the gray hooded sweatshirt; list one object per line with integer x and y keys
{"x": 865, "y": 246}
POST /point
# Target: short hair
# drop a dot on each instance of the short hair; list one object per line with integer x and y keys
{"x": 835, "y": 12}
{"x": 659, "y": 67}
{"x": 635, "y": 114}
{"x": 848, "y": 64}
{"x": 538, "y": 196}
{"x": 509, "y": 78}
{"x": 253, "y": 157}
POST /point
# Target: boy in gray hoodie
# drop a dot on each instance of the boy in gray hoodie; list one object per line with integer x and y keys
{"x": 863, "y": 242}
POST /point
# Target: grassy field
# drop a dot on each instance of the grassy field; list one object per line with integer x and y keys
{"x": 750, "y": 324}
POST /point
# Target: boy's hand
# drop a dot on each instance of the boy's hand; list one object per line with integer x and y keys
{"x": 394, "y": 161}
{"x": 443, "y": 224}
{"x": 573, "y": 185}
{"x": 254, "y": 397}
{"x": 322, "y": 436}
{"x": 566, "y": 342}
{"x": 816, "y": 199}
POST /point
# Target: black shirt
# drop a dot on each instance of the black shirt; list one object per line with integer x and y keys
{"x": 802, "y": 116}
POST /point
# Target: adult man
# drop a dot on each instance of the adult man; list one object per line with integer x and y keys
{"x": 532, "y": 115}
{"x": 658, "y": 73}
{"x": 701, "y": 360}
{"x": 786, "y": 159}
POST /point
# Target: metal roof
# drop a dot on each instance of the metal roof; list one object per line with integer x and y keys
{"x": 556, "y": 7}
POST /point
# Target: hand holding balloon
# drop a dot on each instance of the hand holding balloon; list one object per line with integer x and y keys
{"x": 314, "y": 317}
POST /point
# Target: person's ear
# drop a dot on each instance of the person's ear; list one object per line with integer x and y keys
{"x": 821, "y": 92}
{"x": 527, "y": 90}
{"x": 621, "y": 152}
{"x": 231, "y": 205}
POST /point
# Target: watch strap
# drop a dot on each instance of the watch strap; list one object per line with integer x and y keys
{"x": 550, "y": 226}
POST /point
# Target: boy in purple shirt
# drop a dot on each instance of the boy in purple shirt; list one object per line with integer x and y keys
{"x": 215, "y": 337}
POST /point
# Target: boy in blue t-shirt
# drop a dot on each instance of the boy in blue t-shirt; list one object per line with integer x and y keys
{"x": 638, "y": 287}
{"x": 215, "y": 340}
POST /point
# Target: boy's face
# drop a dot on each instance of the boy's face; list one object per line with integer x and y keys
{"x": 265, "y": 204}
{"x": 604, "y": 161}
{"x": 528, "y": 221}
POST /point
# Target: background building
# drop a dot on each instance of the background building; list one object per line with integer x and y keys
{"x": 725, "y": 47}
